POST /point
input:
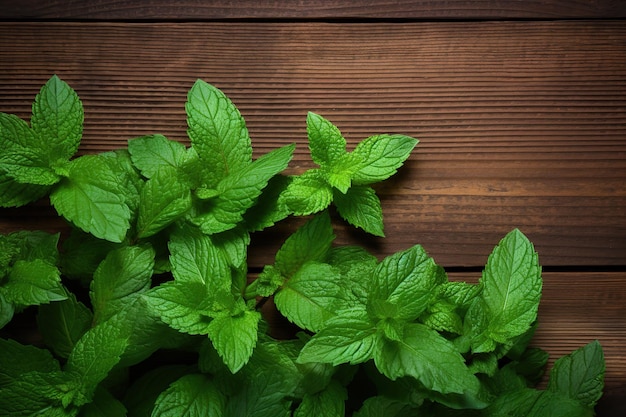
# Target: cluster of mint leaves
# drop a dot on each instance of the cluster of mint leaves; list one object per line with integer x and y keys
{"x": 156, "y": 266}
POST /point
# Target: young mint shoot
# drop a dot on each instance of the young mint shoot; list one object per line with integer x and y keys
{"x": 150, "y": 308}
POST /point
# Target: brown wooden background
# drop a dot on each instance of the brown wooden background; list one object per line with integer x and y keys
{"x": 520, "y": 108}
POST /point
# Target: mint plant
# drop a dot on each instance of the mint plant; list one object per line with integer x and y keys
{"x": 149, "y": 308}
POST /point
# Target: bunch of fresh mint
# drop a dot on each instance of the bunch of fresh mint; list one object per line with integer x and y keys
{"x": 164, "y": 319}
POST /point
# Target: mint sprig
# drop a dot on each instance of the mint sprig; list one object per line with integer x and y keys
{"x": 155, "y": 270}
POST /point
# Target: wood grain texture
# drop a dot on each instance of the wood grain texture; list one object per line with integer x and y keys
{"x": 522, "y": 124}
{"x": 315, "y": 9}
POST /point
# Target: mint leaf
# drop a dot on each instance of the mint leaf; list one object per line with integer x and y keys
{"x": 140, "y": 397}
{"x": 361, "y": 207}
{"x": 182, "y": 305}
{"x": 15, "y": 194}
{"x": 63, "y": 323}
{"x": 32, "y": 283}
{"x": 7, "y": 310}
{"x": 25, "y": 156}
{"x": 17, "y": 359}
{"x": 380, "y": 156}
{"x": 265, "y": 387}
{"x": 268, "y": 210}
{"x": 234, "y": 337}
{"x": 328, "y": 403}
{"x": 580, "y": 375}
{"x": 153, "y": 153}
{"x": 83, "y": 253}
{"x": 342, "y": 340}
{"x": 217, "y": 131}
{"x": 192, "y": 395}
{"x": 103, "y": 405}
{"x": 90, "y": 197}
{"x": 195, "y": 258}
{"x": 357, "y": 268}
{"x": 532, "y": 403}
{"x": 326, "y": 143}
{"x": 93, "y": 357}
{"x": 511, "y": 291}
{"x": 426, "y": 356}
{"x": 58, "y": 117}
{"x": 38, "y": 393}
{"x": 311, "y": 296}
{"x": 404, "y": 284}
{"x": 383, "y": 406}
{"x": 36, "y": 244}
{"x": 237, "y": 192}
{"x": 125, "y": 273}
{"x": 311, "y": 242}
{"x": 307, "y": 194}
{"x": 163, "y": 200}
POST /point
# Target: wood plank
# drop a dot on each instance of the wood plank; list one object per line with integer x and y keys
{"x": 522, "y": 124}
{"x": 316, "y": 9}
{"x": 576, "y": 308}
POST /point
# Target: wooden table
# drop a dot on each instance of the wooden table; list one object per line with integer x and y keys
{"x": 520, "y": 108}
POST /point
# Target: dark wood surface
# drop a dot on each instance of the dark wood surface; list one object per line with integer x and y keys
{"x": 521, "y": 123}
{"x": 314, "y": 9}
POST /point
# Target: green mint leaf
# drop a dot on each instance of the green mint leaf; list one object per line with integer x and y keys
{"x": 384, "y": 406}
{"x": 25, "y": 156}
{"x": 184, "y": 306}
{"x": 307, "y": 194}
{"x": 361, "y": 207}
{"x": 163, "y": 200}
{"x": 92, "y": 199}
{"x": 93, "y": 357}
{"x": 129, "y": 180}
{"x": 328, "y": 403}
{"x": 140, "y": 397}
{"x": 36, "y": 244}
{"x": 217, "y": 131}
{"x": 15, "y": 194}
{"x": 268, "y": 210}
{"x": 233, "y": 245}
{"x": 83, "y": 253}
{"x": 580, "y": 375}
{"x": 342, "y": 340}
{"x": 239, "y": 190}
{"x": 326, "y": 143}
{"x": 357, "y": 268}
{"x": 458, "y": 293}
{"x": 533, "y": 403}
{"x": 404, "y": 284}
{"x": 195, "y": 258}
{"x": 442, "y": 316}
{"x": 192, "y": 395}
{"x": 426, "y": 356}
{"x": 125, "y": 273}
{"x": 340, "y": 173}
{"x": 7, "y": 310}
{"x": 311, "y": 296}
{"x": 63, "y": 323}
{"x": 511, "y": 291}
{"x": 152, "y": 153}
{"x": 234, "y": 337}
{"x": 58, "y": 117}
{"x": 265, "y": 387}
{"x": 17, "y": 359}
{"x": 32, "y": 283}
{"x": 380, "y": 156}
{"x": 38, "y": 394}
{"x": 311, "y": 242}
{"x": 103, "y": 405}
